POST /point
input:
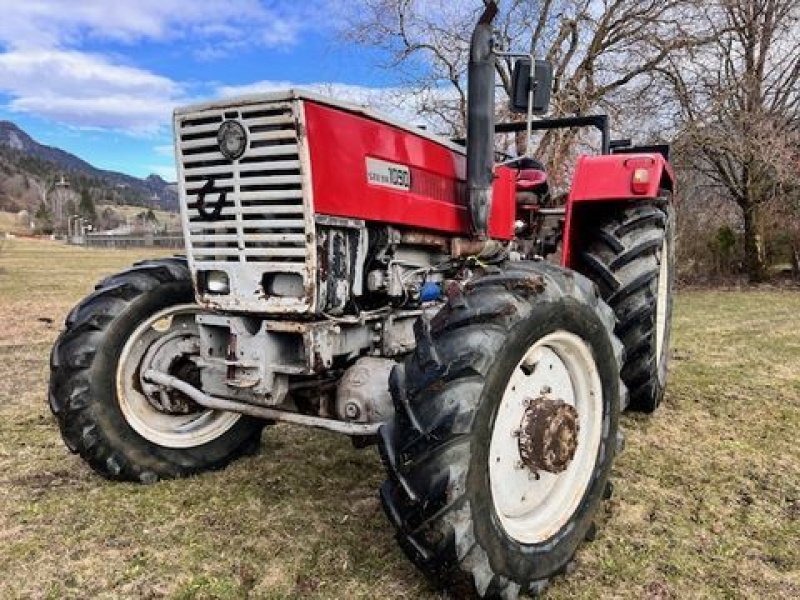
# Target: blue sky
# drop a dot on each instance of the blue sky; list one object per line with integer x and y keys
{"x": 99, "y": 78}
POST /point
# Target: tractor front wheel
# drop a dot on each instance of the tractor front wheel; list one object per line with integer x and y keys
{"x": 124, "y": 427}
{"x": 505, "y": 431}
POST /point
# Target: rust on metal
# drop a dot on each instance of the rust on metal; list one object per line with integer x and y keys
{"x": 231, "y": 356}
{"x": 423, "y": 238}
{"x": 175, "y": 401}
{"x": 534, "y": 284}
{"x": 548, "y": 435}
{"x": 462, "y": 247}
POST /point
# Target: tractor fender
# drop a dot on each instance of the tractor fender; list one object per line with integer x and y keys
{"x": 602, "y": 183}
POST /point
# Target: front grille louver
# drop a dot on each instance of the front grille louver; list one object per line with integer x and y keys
{"x": 263, "y": 219}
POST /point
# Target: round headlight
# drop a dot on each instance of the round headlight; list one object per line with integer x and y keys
{"x": 232, "y": 139}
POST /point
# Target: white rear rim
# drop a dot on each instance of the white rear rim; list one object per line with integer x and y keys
{"x": 559, "y": 366}
{"x": 162, "y": 333}
{"x": 661, "y": 302}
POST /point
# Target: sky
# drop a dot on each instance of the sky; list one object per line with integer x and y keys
{"x": 100, "y": 78}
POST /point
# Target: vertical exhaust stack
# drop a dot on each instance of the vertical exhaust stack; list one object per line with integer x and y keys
{"x": 480, "y": 121}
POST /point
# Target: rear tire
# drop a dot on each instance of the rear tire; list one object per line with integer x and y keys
{"x": 84, "y": 396}
{"x": 631, "y": 258}
{"x": 439, "y": 449}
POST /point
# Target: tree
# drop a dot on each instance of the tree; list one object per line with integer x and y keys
{"x": 43, "y": 219}
{"x": 86, "y": 207}
{"x": 604, "y": 53}
{"x": 109, "y": 219}
{"x": 43, "y": 187}
{"x": 739, "y": 98}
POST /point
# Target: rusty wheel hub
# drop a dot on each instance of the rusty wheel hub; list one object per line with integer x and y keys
{"x": 166, "y": 342}
{"x": 548, "y": 435}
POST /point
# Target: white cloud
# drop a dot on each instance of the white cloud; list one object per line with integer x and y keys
{"x": 44, "y": 72}
{"x": 257, "y": 87}
{"x": 398, "y": 102}
{"x": 166, "y": 172}
{"x": 85, "y": 90}
{"x": 53, "y": 23}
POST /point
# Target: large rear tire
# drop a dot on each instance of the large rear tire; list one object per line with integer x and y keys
{"x": 631, "y": 258}
{"x": 468, "y": 509}
{"x": 97, "y": 395}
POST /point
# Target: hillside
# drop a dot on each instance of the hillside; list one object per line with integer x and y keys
{"x": 24, "y": 161}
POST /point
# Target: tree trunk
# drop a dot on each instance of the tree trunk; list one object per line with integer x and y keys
{"x": 753, "y": 260}
{"x": 795, "y": 260}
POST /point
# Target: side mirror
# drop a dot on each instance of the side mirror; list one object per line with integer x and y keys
{"x": 540, "y": 81}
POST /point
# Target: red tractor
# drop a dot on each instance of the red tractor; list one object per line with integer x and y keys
{"x": 352, "y": 273}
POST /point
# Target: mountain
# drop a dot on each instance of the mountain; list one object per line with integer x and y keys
{"x": 16, "y": 146}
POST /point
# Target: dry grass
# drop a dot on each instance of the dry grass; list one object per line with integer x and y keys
{"x": 9, "y": 223}
{"x": 706, "y": 503}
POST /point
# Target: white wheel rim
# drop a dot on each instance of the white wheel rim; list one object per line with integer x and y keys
{"x": 530, "y": 510}
{"x": 169, "y": 430}
{"x": 661, "y": 302}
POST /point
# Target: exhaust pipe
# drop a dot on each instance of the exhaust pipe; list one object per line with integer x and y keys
{"x": 480, "y": 122}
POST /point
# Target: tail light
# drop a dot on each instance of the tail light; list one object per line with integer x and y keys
{"x": 640, "y": 182}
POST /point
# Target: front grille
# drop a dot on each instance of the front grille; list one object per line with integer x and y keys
{"x": 262, "y": 219}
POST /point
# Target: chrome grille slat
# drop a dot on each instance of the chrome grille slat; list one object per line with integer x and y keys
{"x": 210, "y": 142}
{"x": 269, "y": 121}
{"x": 232, "y": 211}
{"x": 272, "y": 180}
{"x": 263, "y": 223}
{"x": 276, "y": 150}
{"x": 279, "y": 238}
{"x": 247, "y": 181}
{"x": 204, "y": 128}
{"x": 278, "y": 134}
{"x": 271, "y": 195}
{"x": 278, "y": 165}
{"x": 268, "y": 252}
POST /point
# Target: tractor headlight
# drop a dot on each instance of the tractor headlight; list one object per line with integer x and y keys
{"x": 216, "y": 282}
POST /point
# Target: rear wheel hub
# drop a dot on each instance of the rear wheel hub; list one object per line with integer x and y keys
{"x": 548, "y": 435}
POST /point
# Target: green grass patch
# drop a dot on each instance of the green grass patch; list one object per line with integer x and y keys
{"x": 706, "y": 502}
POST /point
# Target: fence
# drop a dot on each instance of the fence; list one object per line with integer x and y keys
{"x": 131, "y": 240}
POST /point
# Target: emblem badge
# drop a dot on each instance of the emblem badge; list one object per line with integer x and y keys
{"x": 215, "y": 212}
{"x": 232, "y": 139}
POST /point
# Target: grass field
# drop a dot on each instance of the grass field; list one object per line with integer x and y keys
{"x": 706, "y": 501}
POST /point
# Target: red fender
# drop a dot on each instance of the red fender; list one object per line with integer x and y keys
{"x": 611, "y": 178}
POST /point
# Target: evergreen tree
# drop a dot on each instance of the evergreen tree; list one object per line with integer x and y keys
{"x": 86, "y": 207}
{"x": 44, "y": 219}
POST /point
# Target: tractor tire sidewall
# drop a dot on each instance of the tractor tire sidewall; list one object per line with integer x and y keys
{"x": 663, "y": 368}
{"x": 527, "y": 562}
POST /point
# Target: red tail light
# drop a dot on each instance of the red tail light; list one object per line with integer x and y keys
{"x": 640, "y": 182}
